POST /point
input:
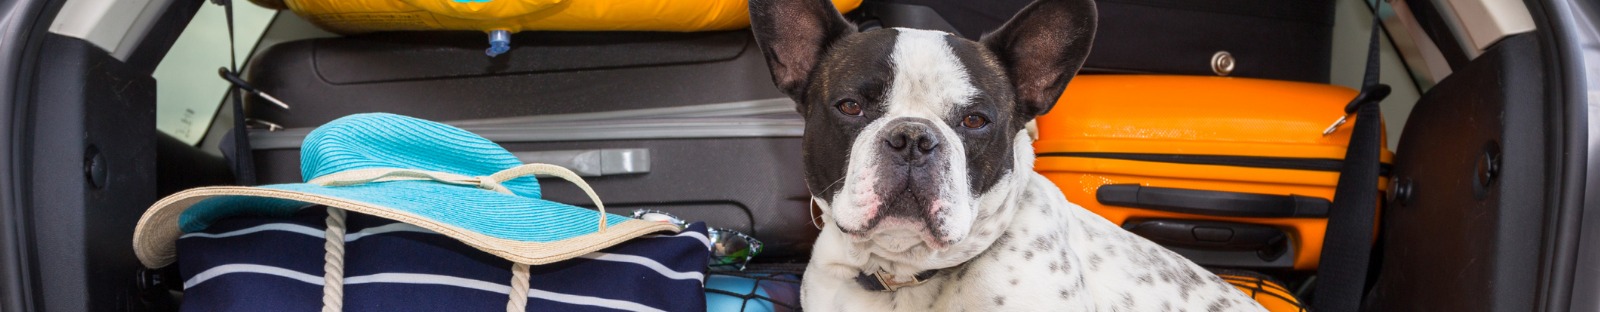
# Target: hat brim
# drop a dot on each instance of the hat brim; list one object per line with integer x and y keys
{"x": 519, "y": 229}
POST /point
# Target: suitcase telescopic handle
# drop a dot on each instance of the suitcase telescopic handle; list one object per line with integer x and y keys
{"x": 594, "y": 162}
{"x": 1212, "y": 203}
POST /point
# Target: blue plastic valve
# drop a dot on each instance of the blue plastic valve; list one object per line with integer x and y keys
{"x": 499, "y": 42}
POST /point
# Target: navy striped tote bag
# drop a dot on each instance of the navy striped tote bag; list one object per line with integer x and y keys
{"x": 276, "y": 264}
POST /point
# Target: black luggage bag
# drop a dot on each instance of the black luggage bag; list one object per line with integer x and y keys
{"x": 1283, "y": 40}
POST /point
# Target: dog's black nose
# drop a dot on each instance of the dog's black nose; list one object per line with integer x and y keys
{"x": 911, "y": 139}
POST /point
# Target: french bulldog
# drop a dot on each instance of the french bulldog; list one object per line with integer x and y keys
{"x": 916, "y": 153}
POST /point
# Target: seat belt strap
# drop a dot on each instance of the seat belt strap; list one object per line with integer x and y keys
{"x": 236, "y": 145}
{"x": 1347, "y": 248}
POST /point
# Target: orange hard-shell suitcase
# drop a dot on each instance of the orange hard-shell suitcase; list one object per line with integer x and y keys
{"x": 1229, "y": 172}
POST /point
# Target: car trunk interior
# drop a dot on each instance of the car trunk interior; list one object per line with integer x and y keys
{"x": 1482, "y": 175}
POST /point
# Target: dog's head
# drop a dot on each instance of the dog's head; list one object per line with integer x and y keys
{"x": 908, "y": 131}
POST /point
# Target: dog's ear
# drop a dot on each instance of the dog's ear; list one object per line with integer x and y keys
{"x": 793, "y": 34}
{"x": 1042, "y": 48}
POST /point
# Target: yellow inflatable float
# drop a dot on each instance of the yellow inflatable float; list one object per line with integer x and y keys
{"x": 500, "y": 18}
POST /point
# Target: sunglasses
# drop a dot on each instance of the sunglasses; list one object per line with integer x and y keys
{"x": 729, "y": 248}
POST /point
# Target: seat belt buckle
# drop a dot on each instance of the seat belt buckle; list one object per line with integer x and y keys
{"x": 1336, "y": 123}
{"x": 1371, "y": 94}
{"x": 233, "y": 78}
{"x": 269, "y": 98}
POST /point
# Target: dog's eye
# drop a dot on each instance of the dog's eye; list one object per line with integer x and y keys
{"x": 974, "y": 121}
{"x": 849, "y": 107}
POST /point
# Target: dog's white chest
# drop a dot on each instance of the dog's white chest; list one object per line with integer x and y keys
{"x": 1055, "y": 256}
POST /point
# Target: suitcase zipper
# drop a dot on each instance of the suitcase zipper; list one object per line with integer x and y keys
{"x": 1312, "y": 164}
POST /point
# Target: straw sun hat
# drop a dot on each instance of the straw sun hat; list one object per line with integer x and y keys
{"x": 424, "y": 173}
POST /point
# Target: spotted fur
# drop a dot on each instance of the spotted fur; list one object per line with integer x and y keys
{"x": 1080, "y": 262}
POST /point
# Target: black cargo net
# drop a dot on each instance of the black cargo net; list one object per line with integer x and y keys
{"x": 775, "y": 284}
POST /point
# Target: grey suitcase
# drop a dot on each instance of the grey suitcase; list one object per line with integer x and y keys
{"x": 685, "y": 123}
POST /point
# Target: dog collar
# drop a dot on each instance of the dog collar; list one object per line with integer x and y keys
{"x": 883, "y": 281}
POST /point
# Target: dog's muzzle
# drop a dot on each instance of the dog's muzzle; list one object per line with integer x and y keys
{"x": 911, "y": 181}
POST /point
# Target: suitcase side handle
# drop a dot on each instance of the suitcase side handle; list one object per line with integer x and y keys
{"x": 1212, "y": 203}
{"x": 1219, "y": 243}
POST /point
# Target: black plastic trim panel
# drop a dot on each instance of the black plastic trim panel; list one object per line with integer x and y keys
{"x": 1475, "y": 162}
{"x": 92, "y": 173}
